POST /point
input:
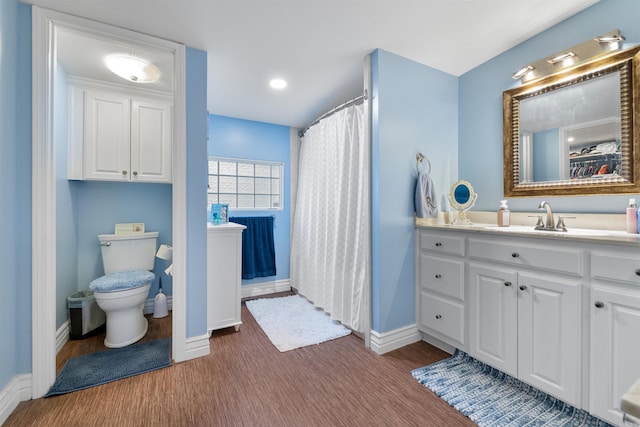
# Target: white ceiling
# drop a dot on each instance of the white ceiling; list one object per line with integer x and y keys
{"x": 319, "y": 46}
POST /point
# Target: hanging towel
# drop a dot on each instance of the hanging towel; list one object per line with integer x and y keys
{"x": 426, "y": 199}
{"x": 258, "y": 248}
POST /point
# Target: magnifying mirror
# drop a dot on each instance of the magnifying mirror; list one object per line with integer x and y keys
{"x": 462, "y": 197}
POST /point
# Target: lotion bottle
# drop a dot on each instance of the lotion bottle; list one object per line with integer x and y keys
{"x": 504, "y": 215}
{"x": 632, "y": 217}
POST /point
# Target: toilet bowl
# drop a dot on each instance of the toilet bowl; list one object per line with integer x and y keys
{"x": 121, "y": 293}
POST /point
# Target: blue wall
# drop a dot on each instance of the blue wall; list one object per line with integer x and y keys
{"x": 546, "y": 155}
{"x": 415, "y": 109}
{"x": 196, "y": 110}
{"x": 480, "y": 143}
{"x": 245, "y": 139}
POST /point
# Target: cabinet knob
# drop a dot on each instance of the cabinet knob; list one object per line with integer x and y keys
{"x": 124, "y": 172}
{"x": 438, "y": 276}
{"x": 438, "y": 244}
{"x": 507, "y": 284}
{"x": 438, "y": 316}
{"x": 599, "y": 304}
{"x": 523, "y": 288}
{"x": 638, "y": 272}
{"x": 515, "y": 254}
{"x": 135, "y": 173}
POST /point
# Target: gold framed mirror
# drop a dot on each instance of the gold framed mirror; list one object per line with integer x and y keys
{"x": 575, "y": 132}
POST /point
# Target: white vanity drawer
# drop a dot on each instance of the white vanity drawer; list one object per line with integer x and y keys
{"x": 441, "y": 244}
{"x": 442, "y": 316}
{"x": 563, "y": 260}
{"x": 615, "y": 266}
{"x": 442, "y": 275}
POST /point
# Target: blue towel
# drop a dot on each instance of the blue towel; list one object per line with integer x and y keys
{"x": 426, "y": 199}
{"x": 258, "y": 248}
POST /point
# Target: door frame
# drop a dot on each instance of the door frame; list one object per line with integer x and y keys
{"x": 44, "y": 195}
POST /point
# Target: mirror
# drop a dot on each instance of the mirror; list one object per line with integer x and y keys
{"x": 574, "y": 132}
{"x": 462, "y": 197}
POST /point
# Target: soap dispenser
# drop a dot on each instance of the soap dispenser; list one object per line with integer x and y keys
{"x": 632, "y": 217}
{"x": 504, "y": 215}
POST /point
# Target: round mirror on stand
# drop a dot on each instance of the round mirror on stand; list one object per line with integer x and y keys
{"x": 462, "y": 197}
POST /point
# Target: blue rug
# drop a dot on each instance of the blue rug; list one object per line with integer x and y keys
{"x": 492, "y": 398}
{"x": 95, "y": 369}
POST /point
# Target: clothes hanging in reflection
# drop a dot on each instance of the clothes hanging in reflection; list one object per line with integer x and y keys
{"x": 426, "y": 199}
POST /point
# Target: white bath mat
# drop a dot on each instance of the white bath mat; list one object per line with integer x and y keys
{"x": 293, "y": 322}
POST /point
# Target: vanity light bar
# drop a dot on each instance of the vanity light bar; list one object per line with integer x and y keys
{"x": 597, "y": 46}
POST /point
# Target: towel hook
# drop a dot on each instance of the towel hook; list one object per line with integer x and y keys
{"x": 421, "y": 158}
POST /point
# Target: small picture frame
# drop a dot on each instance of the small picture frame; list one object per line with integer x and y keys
{"x": 219, "y": 213}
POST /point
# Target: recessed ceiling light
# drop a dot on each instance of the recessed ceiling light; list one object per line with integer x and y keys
{"x": 132, "y": 68}
{"x": 278, "y": 83}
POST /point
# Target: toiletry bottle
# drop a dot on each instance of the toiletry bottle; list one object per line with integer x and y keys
{"x": 632, "y": 217}
{"x": 504, "y": 215}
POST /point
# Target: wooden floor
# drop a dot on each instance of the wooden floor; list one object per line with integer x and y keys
{"x": 246, "y": 381}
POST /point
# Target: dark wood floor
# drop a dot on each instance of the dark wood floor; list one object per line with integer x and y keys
{"x": 246, "y": 381}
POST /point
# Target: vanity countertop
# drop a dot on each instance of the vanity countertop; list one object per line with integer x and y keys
{"x": 595, "y": 234}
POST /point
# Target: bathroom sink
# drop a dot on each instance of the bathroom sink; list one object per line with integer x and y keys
{"x": 526, "y": 229}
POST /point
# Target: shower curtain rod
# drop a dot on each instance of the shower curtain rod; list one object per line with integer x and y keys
{"x": 353, "y": 101}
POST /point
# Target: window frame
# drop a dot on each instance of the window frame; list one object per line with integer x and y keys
{"x": 269, "y": 163}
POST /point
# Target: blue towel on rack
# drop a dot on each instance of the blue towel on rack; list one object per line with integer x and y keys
{"x": 426, "y": 198}
{"x": 258, "y": 248}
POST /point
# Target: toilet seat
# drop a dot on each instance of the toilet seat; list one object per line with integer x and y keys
{"x": 122, "y": 281}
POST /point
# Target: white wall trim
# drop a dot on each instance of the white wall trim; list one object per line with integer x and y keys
{"x": 43, "y": 288}
{"x": 17, "y": 390}
{"x": 265, "y": 288}
{"x": 197, "y": 347}
{"x": 62, "y": 335}
{"x": 385, "y": 342}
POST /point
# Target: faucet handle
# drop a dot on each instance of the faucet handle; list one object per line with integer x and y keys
{"x": 560, "y": 225}
{"x": 539, "y": 223}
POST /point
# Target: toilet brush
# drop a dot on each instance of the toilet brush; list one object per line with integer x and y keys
{"x": 160, "y": 304}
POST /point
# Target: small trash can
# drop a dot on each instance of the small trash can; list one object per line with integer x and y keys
{"x": 84, "y": 314}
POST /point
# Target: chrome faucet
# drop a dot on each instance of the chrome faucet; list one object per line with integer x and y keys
{"x": 549, "y": 225}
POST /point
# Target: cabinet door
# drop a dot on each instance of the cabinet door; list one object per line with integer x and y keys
{"x": 493, "y": 329}
{"x": 151, "y": 141}
{"x": 224, "y": 267}
{"x": 615, "y": 348}
{"x": 549, "y": 335}
{"x": 106, "y": 136}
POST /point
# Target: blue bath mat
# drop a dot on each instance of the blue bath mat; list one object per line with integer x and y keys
{"x": 95, "y": 369}
{"x": 492, "y": 398}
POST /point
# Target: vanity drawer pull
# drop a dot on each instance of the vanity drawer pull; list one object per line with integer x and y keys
{"x": 438, "y": 244}
{"x": 638, "y": 272}
{"x": 438, "y": 276}
{"x": 438, "y": 316}
{"x": 523, "y": 288}
{"x": 515, "y": 255}
{"x": 507, "y": 284}
{"x": 599, "y": 304}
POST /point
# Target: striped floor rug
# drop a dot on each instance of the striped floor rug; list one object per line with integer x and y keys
{"x": 491, "y": 398}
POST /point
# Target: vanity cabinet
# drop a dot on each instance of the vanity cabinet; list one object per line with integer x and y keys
{"x": 224, "y": 275}
{"x": 615, "y": 329}
{"x": 119, "y": 137}
{"x": 441, "y": 288}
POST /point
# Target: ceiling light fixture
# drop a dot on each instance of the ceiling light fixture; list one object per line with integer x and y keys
{"x": 278, "y": 83}
{"x": 522, "y": 71}
{"x": 132, "y": 68}
{"x": 609, "y": 38}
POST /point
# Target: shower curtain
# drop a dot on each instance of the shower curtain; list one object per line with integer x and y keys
{"x": 330, "y": 250}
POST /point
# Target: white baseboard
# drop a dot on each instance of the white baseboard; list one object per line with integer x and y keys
{"x": 197, "y": 347}
{"x": 438, "y": 343}
{"x": 150, "y": 303}
{"x": 265, "y": 288}
{"x": 62, "y": 336}
{"x": 17, "y": 390}
{"x": 385, "y": 342}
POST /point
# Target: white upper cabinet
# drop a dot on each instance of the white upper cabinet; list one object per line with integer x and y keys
{"x": 118, "y": 137}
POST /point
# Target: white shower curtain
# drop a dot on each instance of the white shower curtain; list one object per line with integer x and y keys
{"x": 330, "y": 250}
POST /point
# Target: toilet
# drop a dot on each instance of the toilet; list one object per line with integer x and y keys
{"x": 123, "y": 290}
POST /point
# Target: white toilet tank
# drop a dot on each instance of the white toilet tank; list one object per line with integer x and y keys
{"x": 128, "y": 252}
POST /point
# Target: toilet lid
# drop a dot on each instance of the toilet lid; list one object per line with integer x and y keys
{"x": 121, "y": 281}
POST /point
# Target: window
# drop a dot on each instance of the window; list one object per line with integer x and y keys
{"x": 245, "y": 184}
